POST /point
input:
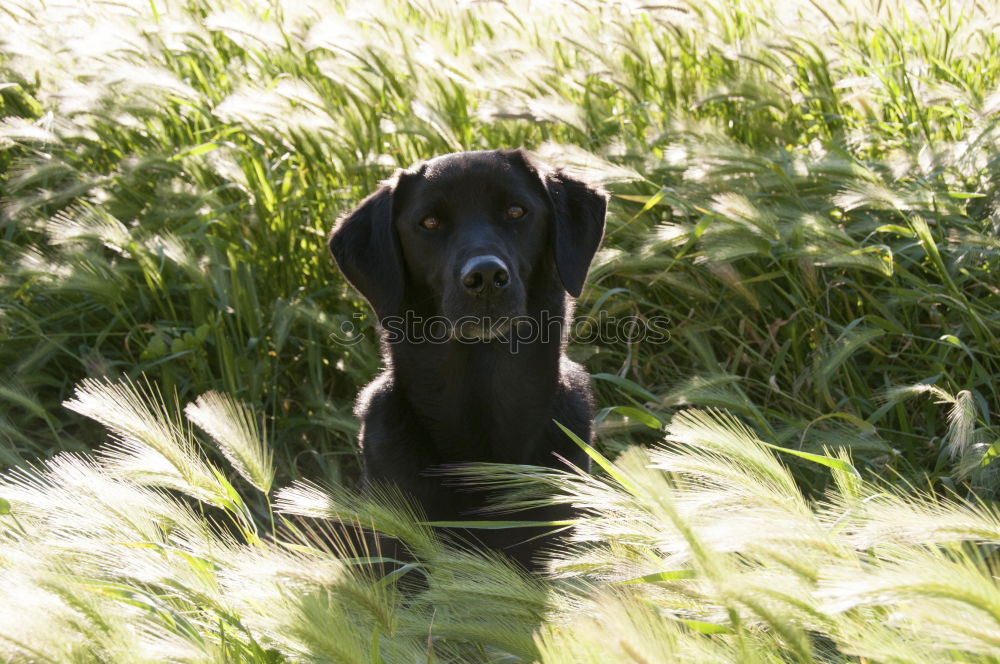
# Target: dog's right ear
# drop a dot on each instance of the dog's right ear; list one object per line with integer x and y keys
{"x": 366, "y": 248}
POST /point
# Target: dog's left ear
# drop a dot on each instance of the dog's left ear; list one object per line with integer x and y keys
{"x": 578, "y": 211}
{"x": 577, "y": 224}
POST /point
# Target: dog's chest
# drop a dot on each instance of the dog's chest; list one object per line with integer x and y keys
{"x": 485, "y": 407}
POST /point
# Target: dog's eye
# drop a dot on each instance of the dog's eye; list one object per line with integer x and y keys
{"x": 515, "y": 211}
{"x": 430, "y": 223}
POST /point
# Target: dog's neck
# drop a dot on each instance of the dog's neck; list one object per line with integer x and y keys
{"x": 494, "y": 396}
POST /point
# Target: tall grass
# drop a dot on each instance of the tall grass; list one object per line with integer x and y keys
{"x": 807, "y": 190}
{"x": 817, "y": 216}
{"x": 698, "y": 549}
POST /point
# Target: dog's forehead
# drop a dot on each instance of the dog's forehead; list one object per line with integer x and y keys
{"x": 472, "y": 179}
{"x": 462, "y": 164}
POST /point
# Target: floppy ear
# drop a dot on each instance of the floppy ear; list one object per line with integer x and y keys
{"x": 365, "y": 246}
{"x": 578, "y": 211}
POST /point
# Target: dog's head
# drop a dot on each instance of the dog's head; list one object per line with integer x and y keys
{"x": 463, "y": 234}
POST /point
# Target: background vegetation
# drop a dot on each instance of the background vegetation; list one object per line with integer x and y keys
{"x": 807, "y": 191}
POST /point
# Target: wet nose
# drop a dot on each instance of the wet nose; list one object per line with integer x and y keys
{"x": 483, "y": 275}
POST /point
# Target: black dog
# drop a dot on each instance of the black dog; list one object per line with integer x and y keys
{"x": 467, "y": 260}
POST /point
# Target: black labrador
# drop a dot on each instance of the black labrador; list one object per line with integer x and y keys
{"x": 469, "y": 260}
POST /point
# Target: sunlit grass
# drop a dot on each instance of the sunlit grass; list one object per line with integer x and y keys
{"x": 806, "y": 190}
{"x": 698, "y": 549}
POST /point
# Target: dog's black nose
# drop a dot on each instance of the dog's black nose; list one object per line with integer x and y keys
{"x": 484, "y": 274}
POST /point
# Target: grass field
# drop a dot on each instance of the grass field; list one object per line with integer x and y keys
{"x": 806, "y": 190}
